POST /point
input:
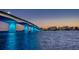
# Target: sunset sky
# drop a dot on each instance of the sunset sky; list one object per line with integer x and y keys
{"x": 48, "y": 17}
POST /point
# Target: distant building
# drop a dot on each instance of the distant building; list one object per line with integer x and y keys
{"x": 52, "y": 28}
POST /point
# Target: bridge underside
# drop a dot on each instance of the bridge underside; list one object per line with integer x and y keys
{"x": 12, "y": 25}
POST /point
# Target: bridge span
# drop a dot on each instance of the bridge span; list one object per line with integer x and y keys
{"x": 13, "y": 20}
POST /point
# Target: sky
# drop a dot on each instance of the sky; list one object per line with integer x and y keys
{"x": 47, "y": 17}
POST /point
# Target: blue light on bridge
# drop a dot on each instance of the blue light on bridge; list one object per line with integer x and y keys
{"x": 36, "y": 29}
{"x": 33, "y": 29}
{"x": 26, "y": 28}
{"x": 12, "y": 27}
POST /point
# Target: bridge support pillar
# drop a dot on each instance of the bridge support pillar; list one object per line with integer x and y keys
{"x": 12, "y": 26}
{"x": 26, "y": 28}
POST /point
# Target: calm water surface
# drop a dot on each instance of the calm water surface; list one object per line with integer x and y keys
{"x": 45, "y": 40}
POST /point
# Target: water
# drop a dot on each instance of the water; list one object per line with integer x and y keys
{"x": 45, "y": 40}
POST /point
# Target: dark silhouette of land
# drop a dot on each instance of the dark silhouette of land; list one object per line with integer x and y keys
{"x": 54, "y": 28}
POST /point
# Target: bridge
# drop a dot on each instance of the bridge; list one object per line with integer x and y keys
{"x": 13, "y": 20}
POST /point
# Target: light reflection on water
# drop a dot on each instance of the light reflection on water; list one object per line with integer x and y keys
{"x": 32, "y": 40}
{"x": 50, "y": 40}
{"x": 11, "y": 41}
{"x": 20, "y": 41}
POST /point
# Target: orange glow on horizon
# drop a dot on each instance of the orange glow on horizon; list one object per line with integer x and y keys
{"x": 57, "y": 23}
